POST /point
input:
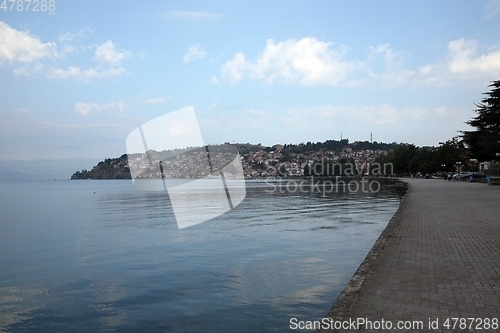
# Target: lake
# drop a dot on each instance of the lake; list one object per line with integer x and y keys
{"x": 102, "y": 256}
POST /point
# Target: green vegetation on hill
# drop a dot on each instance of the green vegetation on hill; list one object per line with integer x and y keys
{"x": 110, "y": 168}
{"x": 334, "y": 145}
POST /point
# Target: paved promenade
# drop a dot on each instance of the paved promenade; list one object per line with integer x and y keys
{"x": 439, "y": 258}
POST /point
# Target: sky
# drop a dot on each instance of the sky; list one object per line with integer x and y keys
{"x": 76, "y": 77}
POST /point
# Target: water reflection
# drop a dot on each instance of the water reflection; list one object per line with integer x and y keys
{"x": 116, "y": 261}
{"x": 16, "y": 304}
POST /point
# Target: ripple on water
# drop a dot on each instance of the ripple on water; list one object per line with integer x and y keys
{"x": 116, "y": 260}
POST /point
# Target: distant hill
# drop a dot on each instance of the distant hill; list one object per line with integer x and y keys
{"x": 110, "y": 168}
{"x": 117, "y": 168}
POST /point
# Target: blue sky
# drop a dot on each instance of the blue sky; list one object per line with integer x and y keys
{"x": 77, "y": 80}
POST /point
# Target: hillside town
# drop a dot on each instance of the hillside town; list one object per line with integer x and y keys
{"x": 276, "y": 162}
{"x": 257, "y": 161}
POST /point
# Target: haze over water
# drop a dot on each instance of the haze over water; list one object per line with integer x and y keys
{"x": 72, "y": 260}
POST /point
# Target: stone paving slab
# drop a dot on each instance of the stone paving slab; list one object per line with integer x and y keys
{"x": 438, "y": 259}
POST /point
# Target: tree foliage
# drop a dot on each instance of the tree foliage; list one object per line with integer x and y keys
{"x": 407, "y": 158}
{"x": 484, "y": 142}
{"x": 334, "y": 145}
{"x": 110, "y": 168}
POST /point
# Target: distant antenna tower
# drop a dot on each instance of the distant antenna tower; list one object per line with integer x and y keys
{"x": 340, "y": 136}
{"x": 371, "y": 137}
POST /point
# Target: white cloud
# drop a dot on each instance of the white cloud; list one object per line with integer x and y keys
{"x": 69, "y": 37}
{"x": 308, "y": 61}
{"x": 464, "y": 59}
{"x": 107, "y": 54}
{"x": 21, "y": 47}
{"x": 18, "y": 46}
{"x": 69, "y": 42}
{"x": 67, "y": 49}
{"x": 388, "y": 72}
{"x": 424, "y": 70}
{"x": 492, "y": 8}
{"x": 145, "y": 99}
{"x": 84, "y": 75}
{"x": 391, "y": 78}
{"x": 214, "y": 80}
{"x": 28, "y": 70}
{"x": 216, "y": 59}
{"x": 392, "y": 58}
{"x": 189, "y": 15}
{"x": 58, "y": 73}
{"x": 157, "y": 100}
{"x": 234, "y": 69}
{"x": 213, "y": 106}
{"x": 194, "y": 52}
{"x": 85, "y": 108}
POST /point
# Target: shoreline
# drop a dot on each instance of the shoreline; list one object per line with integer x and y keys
{"x": 340, "y": 309}
{"x": 435, "y": 262}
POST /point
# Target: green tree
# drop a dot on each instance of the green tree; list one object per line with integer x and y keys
{"x": 484, "y": 142}
{"x": 421, "y": 161}
{"x": 401, "y": 157}
{"x": 445, "y": 157}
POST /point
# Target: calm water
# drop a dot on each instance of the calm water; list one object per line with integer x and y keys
{"x": 72, "y": 260}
